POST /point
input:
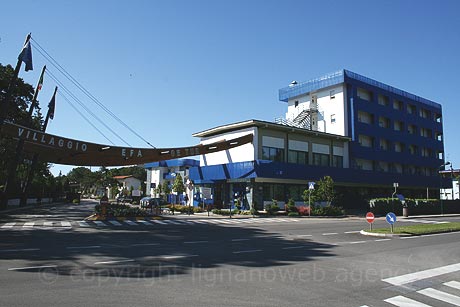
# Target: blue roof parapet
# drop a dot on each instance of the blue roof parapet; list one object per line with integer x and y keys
{"x": 339, "y": 77}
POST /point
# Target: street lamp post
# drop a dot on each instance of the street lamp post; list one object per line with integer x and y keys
{"x": 440, "y": 186}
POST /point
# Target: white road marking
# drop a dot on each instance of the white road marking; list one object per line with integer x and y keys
{"x": 354, "y": 231}
{"x": 83, "y": 224}
{"x": 305, "y": 235}
{"x": 412, "y": 277}
{"x": 441, "y": 296}
{"x": 48, "y": 224}
{"x": 357, "y": 242}
{"x": 248, "y": 251}
{"x": 115, "y": 223}
{"x": 330, "y": 233}
{"x": 293, "y": 247}
{"x": 195, "y": 242}
{"x": 8, "y": 225}
{"x": 83, "y": 247}
{"x": 177, "y": 256}
{"x": 100, "y": 223}
{"x": 159, "y": 222}
{"x": 32, "y": 267}
{"x": 238, "y": 240}
{"x": 402, "y": 301}
{"x": 129, "y": 222}
{"x": 29, "y": 224}
{"x": 144, "y": 222}
{"x": 66, "y": 224}
{"x": 453, "y": 284}
{"x": 382, "y": 240}
{"x": 115, "y": 261}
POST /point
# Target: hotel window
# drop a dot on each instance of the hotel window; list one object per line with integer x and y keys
{"x": 366, "y": 165}
{"x": 426, "y": 152}
{"x": 413, "y": 149}
{"x": 397, "y": 105}
{"x": 332, "y": 94}
{"x": 424, "y": 113}
{"x": 437, "y": 117}
{"x": 383, "y": 167}
{"x": 411, "y": 129}
{"x": 384, "y": 144}
{"x": 366, "y": 141}
{"x": 384, "y": 100}
{"x": 364, "y": 94}
{"x": 411, "y": 109}
{"x": 439, "y": 136}
{"x": 366, "y": 118}
{"x": 298, "y": 157}
{"x": 273, "y": 154}
{"x": 384, "y": 122}
{"x": 426, "y": 133}
{"x": 399, "y": 147}
{"x": 398, "y": 125}
{"x": 320, "y": 159}
{"x": 332, "y": 118}
{"x": 397, "y": 168}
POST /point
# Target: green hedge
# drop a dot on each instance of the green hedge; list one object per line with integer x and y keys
{"x": 382, "y": 206}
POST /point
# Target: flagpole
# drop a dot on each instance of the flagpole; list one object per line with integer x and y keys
{"x": 34, "y": 99}
{"x": 31, "y": 173}
{"x": 5, "y": 105}
{"x": 6, "y": 189}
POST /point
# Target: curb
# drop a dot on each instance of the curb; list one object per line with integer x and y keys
{"x": 384, "y": 235}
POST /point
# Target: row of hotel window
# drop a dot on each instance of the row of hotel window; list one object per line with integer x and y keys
{"x": 387, "y": 167}
{"x": 398, "y": 105}
{"x": 384, "y": 122}
{"x": 383, "y": 144}
{"x": 301, "y": 157}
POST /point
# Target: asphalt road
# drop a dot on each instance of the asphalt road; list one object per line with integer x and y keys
{"x": 247, "y": 262}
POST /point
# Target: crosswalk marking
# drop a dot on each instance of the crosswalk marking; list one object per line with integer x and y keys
{"x": 412, "y": 277}
{"x": 66, "y": 224}
{"x": 131, "y": 223}
{"x": 453, "y": 284}
{"x": 115, "y": 223}
{"x": 422, "y": 221}
{"x": 100, "y": 223}
{"x": 83, "y": 224}
{"x": 48, "y": 224}
{"x": 441, "y": 296}
{"x": 8, "y": 225}
{"x": 29, "y": 224}
{"x": 402, "y": 301}
{"x": 144, "y": 222}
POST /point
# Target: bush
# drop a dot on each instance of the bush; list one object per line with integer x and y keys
{"x": 272, "y": 208}
{"x": 381, "y": 206}
{"x": 326, "y": 211}
{"x": 224, "y": 212}
{"x": 76, "y": 201}
{"x": 120, "y": 210}
{"x": 290, "y": 206}
{"x": 303, "y": 210}
{"x": 293, "y": 214}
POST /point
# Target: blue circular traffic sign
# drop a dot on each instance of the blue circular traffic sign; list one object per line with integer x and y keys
{"x": 391, "y": 218}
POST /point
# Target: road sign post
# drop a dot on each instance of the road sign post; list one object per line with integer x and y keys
{"x": 311, "y": 187}
{"x": 391, "y": 219}
{"x": 370, "y": 219}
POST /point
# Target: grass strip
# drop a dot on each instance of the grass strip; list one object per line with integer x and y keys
{"x": 421, "y": 229}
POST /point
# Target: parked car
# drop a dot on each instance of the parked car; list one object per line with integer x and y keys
{"x": 149, "y": 202}
{"x": 125, "y": 199}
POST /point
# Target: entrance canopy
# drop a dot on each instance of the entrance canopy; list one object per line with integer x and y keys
{"x": 60, "y": 150}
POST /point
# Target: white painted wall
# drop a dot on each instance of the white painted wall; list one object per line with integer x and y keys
{"x": 328, "y": 107}
{"x": 238, "y": 154}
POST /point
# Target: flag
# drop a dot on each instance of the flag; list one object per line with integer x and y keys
{"x": 52, "y": 105}
{"x": 26, "y": 56}
{"x": 40, "y": 83}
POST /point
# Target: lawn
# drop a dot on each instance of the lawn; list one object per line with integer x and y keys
{"x": 421, "y": 229}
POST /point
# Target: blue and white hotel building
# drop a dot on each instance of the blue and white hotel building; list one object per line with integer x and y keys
{"x": 365, "y": 134}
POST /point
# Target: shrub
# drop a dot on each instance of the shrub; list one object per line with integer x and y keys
{"x": 76, "y": 201}
{"x": 381, "y": 206}
{"x": 303, "y": 210}
{"x": 293, "y": 214}
{"x": 290, "y": 206}
{"x": 272, "y": 208}
{"x": 326, "y": 211}
{"x": 120, "y": 210}
{"x": 224, "y": 212}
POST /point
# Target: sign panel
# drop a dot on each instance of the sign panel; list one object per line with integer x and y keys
{"x": 311, "y": 185}
{"x": 60, "y": 150}
{"x": 370, "y": 217}
{"x": 391, "y": 218}
{"x": 205, "y": 192}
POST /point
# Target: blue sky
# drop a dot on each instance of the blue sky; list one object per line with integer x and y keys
{"x": 172, "y": 68}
